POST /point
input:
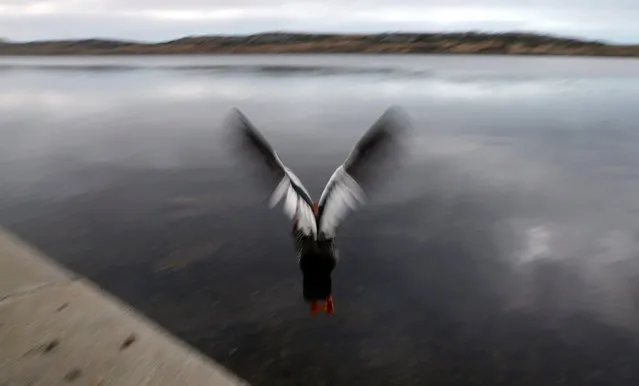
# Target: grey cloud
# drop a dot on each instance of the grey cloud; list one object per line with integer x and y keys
{"x": 620, "y": 5}
{"x": 364, "y": 4}
{"x": 368, "y": 3}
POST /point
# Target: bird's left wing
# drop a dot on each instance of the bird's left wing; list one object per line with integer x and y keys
{"x": 285, "y": 184}
{"x": 367, "y": 162}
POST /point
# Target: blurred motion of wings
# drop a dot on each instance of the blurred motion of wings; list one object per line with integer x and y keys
{"x": 379, "y": 149}
{"x": 371, "y": 159}
{"x": 279, "y": 179}
{"x": 253, "y": 149}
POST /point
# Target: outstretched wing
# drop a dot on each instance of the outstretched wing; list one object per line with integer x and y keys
{"x": 367, "y": 162}
{"x": 297, "y": 201}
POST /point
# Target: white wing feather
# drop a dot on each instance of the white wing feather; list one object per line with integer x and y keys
{"x": 341, "y": 195}
{"x": 295, "y": 206}
{"x": 252, "y": 144}
{"x": 344, "y": 192}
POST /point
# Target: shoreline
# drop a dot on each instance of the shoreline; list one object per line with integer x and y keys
{"x": 318, "y": 53}
{"x": 508, "y": 44}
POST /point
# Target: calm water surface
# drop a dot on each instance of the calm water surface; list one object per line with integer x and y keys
{"x": 504, "y": 252}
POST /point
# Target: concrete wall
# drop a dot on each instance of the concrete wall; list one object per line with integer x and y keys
{"x": 57, "y": 328}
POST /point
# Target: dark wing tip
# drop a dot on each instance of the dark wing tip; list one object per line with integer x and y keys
{"x": 382, "y": 143}
{"x": 246, "y": 134}
{"x": 248, "y": 145}
{"x": 239, "y": 123}
{"x": 396, "y": 121}
{"x": 237, "y": 117}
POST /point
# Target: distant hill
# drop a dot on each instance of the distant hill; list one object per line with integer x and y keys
{"x": 280, "y": 42}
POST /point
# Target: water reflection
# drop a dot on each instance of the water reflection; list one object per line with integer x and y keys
{"x": 506, "y": 251}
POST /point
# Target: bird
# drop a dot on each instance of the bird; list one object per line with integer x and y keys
{"x": 315, "y": 223}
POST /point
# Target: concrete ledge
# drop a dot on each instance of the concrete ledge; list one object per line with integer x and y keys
{"x": 59, "y": 329}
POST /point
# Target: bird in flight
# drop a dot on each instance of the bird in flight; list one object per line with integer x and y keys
{"x": 315, "y": 222}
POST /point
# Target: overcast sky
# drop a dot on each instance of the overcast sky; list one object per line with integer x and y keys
{"x": 612, "y": 20}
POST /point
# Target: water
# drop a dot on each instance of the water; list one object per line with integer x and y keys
{"x": 504, "y": 251}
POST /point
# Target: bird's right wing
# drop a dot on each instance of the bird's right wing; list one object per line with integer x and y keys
{"x": 297, "y": 201}
{"x": 368, "y": 161}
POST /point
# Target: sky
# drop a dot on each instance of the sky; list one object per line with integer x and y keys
{"x": 157, "y": 20}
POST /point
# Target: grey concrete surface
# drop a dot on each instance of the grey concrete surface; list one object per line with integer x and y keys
{"x": 59, "y": 329}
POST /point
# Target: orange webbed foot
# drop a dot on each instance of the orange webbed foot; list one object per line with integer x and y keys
{"x": 329, "y": 307}
{"x": 314, "y": 307}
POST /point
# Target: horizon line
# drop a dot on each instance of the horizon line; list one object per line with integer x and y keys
{"x": 327, "y": 33}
